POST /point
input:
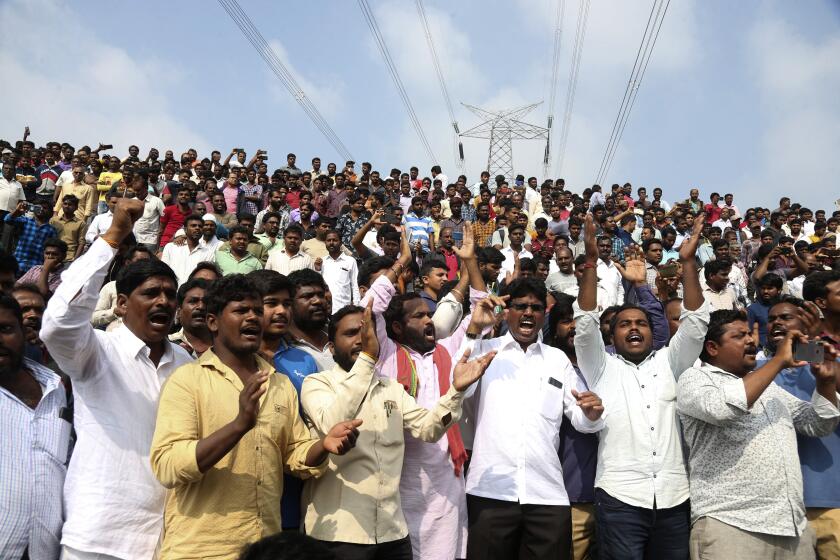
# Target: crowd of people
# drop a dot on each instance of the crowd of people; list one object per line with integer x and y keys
{"x": 205, "y": 357}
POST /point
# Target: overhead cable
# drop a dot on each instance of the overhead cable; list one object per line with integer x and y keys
{"x": 574, "y": 71}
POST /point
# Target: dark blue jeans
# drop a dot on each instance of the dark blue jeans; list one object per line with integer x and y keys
{"x": 628, "y": 532}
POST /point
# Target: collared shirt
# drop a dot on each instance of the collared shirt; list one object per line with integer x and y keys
{"x": 147, "y": 228}
{"x": 724, "y": 299}
{"x": 743, "y": 463}
{"x": 229, "y": 264}
{"x": 358, "y": 499}
{"x": 114, "y": 504}
{"x": 284, "y": 263}
{"x": 640, "y": 457}
{"x": 30, "y": 246}
{"x": 819, "y": 457}
{"x": 285, "y": 218}
{"x": 71, "y": 231}
{"x": 457, "y": 226}
{"x": 419, "y": 228}
{"x": 248, "y": 189}
{"x": 11, "y": 192}
{"x": 183, "y": 260}
{"x": 347, "y": 227}
{"x": 522, "y": 392}
{"x": 610, "y": 278}
{"x": 36, "y": 443}
{"x": 579, "y": 456}
{"x": 510, "y": 262}
{"x": 215, "y": 513}
{"x": 322, "y": 356}
{"x": 483, "y": 232}
{"x": 341, "y": 275}
{"x": 33, "y": 274}
{"x": 103, "y": 313}
{"x": 99, "y": 225}
{"x": 87, "y": 195}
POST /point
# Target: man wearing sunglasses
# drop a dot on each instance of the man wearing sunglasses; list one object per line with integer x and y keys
{"x": 517, "y": 502}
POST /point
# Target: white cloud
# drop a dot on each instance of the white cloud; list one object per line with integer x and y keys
{"x": 797, "y": 83}
{"x": 71, "y": 86}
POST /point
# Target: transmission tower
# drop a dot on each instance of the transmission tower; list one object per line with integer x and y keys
{"x": 502, "y": 128}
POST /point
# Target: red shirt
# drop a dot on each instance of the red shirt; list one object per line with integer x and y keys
{"x": 293, "y": 199}
{"x": 712, "y": 213}
{"x": 171, "y": 221}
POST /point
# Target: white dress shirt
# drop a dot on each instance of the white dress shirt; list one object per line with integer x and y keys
{"x": 610, "y": 279}
{"x": 519, "y": 405}
{"x": 11, "y": 192}
{"x": 183, "y": 260}
{"x": 98, "y": 226}
{"x": 147, "y": 228}
{"x": 284, "y": 263}
{"x": 36, "y": 443}
{"x": 114, "y": 504}
{"x": 640, "y": 455}
{"x": 510, "y": 262}
{"x": 341, "y": 275}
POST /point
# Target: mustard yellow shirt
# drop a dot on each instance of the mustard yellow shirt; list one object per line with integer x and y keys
{"x": 237, "y": 501}
{"x": 106, "y": 181}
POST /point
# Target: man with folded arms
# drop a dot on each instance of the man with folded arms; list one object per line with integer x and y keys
{"x": 740, "y": 429}
{"x": 355, "y": 506}
{"x": 227, "y": 427}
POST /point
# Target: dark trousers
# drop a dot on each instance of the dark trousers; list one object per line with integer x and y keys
{"x": 628, "y": 532}
{"x": 394, "y": 550}
{"x": 502, "y": 530}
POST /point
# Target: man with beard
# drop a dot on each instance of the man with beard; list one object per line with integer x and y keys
{"x": 819, "y": 457}
{"x": 225, "y": 219}
{"x": 277, "y": 204}
{"x": 518, "y": 505}
{"x": 192, "y": 316}
{"x": 114, "y": 504}
{"x": 292, "y": 362}
{"x": 355, "y": 506}
{"x": 310, "y": 313}
{"x": 290, "y": 258}
{"x": 823, "y": 288}
{"x": 35, "y": 428}
{"x": 32, "y": 305}
{"x": 432, "y": 484}
{"x": 183, "y": 258}
{"x": 641, "y": 487}
{"x": 740, "y": 429}
{"x": 227, "y": 427}
{"x": 564, "y": 278}
{"x": 578, "y": 451}
{"x": 340, "y": 272}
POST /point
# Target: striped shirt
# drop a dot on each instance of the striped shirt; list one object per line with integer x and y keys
{"x": 36, "y": 444}
{"x": 419, "y": 229}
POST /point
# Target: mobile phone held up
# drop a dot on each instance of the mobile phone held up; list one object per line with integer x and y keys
{"x": 811, "y": 351}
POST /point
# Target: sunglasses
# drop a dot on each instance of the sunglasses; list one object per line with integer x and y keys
{"x": 535, "y": 307}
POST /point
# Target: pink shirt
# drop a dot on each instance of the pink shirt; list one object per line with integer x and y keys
{"x": 433, "y": 498}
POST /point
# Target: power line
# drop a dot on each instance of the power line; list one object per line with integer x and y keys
{"x": 657, "y": 16}
{"x": 266, "y": 52}
{"x": 441, "y": 81}
{"x": 392, "y": 69}
{"x": 555, "y": 71}
{"x": 574, "y": 70}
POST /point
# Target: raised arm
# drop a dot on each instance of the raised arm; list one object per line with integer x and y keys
{"x": 588, "y": 342}
{"x": 66, "y": 329}
{"x": 692, "y": 294}
{"x": 358, "y": 238}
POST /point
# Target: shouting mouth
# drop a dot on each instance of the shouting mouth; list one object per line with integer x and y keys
{"x": 634, "y": 339}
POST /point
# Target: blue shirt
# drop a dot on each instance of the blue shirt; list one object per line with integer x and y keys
{"x": 295, "y": 364}
{"x": 820, "y": 457}
{"x": 758, "y": 311}
{"x": 419, "y": 229}
{"x": 30, "y": 245}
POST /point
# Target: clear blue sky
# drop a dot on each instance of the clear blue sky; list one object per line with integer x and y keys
{"x": 739, "y": 96}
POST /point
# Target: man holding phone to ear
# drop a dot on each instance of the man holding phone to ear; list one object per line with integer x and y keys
{"x": 740, "y": 429}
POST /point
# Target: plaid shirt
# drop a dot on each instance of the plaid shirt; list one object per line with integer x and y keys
{"x": 250, "y": 190}
{"x": 30, "y": 245}
{"x": 347, "y": 227}
{"x": 483, "y": 232}
{"x": 618, "y": 248}
{"x": 468, "y": 212}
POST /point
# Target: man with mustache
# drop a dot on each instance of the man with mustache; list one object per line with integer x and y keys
{"x": 641, "y": 486}
{"x": 35, "y": 429}
{"x": 432, "y": 483}
{"x": 740, "y": 429}
{"x": 192, "y": 316}
{"x": 227, "y": 427}
{"x": 310, "y": 314}
{"x": 518, "y": 504}
{"x": 289, "y": 360}
{"x": 355, "y": 506}
{"x": 819, "y": 457}
{"x": 114, "y": 504}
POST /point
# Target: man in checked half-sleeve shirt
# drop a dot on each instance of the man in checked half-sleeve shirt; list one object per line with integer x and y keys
{"x": 740, "y": 428}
